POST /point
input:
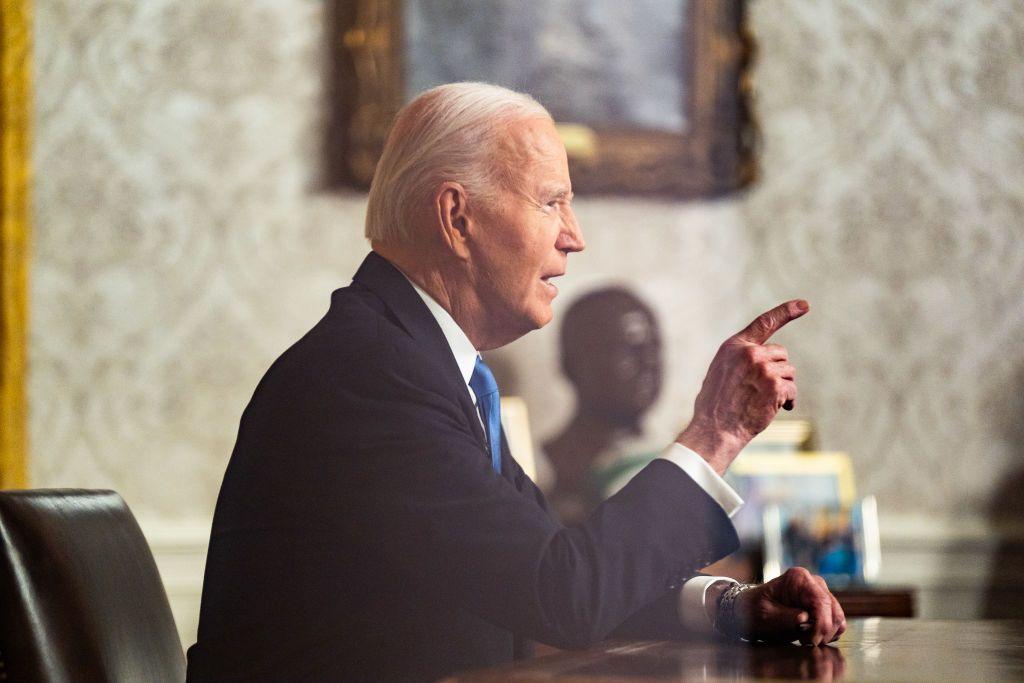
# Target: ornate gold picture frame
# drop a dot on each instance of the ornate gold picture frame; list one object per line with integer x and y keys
{"x": 711, "y": 155}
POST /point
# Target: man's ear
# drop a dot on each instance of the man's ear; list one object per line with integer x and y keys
{"x": 453, "y": 217}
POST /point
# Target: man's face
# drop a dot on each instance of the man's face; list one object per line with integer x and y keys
{"x": 524, "y": 238}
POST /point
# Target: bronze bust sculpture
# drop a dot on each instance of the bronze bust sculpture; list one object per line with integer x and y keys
{"x": 611, "y": 353}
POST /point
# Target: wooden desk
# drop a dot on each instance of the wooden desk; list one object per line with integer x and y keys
{"x": 873, "y": 649}
{"x": 877, "y": 601}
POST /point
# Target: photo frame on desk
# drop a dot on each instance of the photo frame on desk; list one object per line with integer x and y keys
{"x": 651, "y": 98}
{"x": 839, "y": 543}
{"x": 803, "y": 479}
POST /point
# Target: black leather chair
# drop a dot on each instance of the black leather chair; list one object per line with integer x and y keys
{"x": 80, "y": 596}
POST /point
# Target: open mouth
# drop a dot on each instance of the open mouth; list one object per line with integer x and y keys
{"x": 546, "y": 279}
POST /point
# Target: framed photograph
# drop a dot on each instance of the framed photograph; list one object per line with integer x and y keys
{"x": 796, "y": 480}
{"x": 651, "y": 97}
{"x": 841, "y": 544}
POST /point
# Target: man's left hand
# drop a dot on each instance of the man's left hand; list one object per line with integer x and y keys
{"x": 795, "y": 606}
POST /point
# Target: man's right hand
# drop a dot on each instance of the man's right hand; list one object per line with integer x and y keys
{"x": 748, "y": 382}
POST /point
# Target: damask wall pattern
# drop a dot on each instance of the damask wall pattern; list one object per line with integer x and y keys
{"x": 893, "y": 195}
{"x": 179, "y": 244}
{"x": 182, "y": 244}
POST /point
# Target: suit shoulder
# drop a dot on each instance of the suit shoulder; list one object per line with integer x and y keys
{"x": 349, "y": 333}
{"x": 357, "y": 345}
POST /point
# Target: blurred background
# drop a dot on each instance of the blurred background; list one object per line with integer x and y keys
{"x": 182, "y": 238}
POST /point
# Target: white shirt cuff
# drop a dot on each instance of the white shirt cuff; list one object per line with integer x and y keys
{"x": 702, "y": 473}
{"x": 692, "y": 612}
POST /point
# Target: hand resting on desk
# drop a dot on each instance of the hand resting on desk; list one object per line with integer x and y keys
{"x": 795, "y": 606}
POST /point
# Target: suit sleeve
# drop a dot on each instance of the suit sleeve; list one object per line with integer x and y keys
{"x": 467, "y": 534}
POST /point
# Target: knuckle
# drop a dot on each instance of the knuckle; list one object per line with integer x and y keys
{"x": 798, "y": 573}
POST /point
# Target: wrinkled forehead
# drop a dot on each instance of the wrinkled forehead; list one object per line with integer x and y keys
{"x": 527, "y": 138}
{"x": 532, "y": 145}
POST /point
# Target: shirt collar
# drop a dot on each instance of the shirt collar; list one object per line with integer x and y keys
{"x": 463, "y": 350}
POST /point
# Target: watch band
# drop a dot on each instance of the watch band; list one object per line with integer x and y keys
{"x": 727, "y": 622}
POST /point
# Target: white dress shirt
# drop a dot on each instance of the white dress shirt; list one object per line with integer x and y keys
{"x": 692, "y": 596}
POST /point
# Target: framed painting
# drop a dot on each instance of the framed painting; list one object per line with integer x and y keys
{"x": 651, "y": 97}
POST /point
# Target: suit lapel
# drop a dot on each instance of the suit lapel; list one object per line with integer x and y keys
{"x": 378, "y": 275}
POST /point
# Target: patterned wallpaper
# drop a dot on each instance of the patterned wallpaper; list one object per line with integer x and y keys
{"x": 894, "y": 198}
{"x": 182, "y": 243}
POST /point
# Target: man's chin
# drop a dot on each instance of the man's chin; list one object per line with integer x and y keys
{"x": 542, "y": 317}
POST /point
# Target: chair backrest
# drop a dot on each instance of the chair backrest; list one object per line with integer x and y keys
{"x": 80, "y": 595}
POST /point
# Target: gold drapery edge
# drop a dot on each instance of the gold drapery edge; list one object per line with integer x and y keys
{"x": 15, "y": 179}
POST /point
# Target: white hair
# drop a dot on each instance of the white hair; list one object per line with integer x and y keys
{"x": 448, "y": 133}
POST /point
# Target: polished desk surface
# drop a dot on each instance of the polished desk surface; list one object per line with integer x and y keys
{"x": 873, "y": 649}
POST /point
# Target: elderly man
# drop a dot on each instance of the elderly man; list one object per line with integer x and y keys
{"x": 372, "y": 524}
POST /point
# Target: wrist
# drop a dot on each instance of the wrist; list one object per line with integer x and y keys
{"x": 717, "y": 447}
{"x": 730, "y": 620}
{"x": 713, "y": 597}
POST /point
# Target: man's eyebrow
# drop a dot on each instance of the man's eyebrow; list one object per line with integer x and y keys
{"x": 557, "y": 193}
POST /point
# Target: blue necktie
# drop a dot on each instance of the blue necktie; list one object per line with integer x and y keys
{"x": 486, "y": 389}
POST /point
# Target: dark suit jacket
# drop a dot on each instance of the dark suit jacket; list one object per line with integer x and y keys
{"x": 361, "y": 532}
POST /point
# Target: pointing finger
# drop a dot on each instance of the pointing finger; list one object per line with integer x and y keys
{"x": 770, "y": 322}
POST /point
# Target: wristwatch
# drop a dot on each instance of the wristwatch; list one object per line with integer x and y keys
{"x": 727, "y": 622}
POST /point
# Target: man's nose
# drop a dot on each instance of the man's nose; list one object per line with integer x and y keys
{"x": 570, "y": 239}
